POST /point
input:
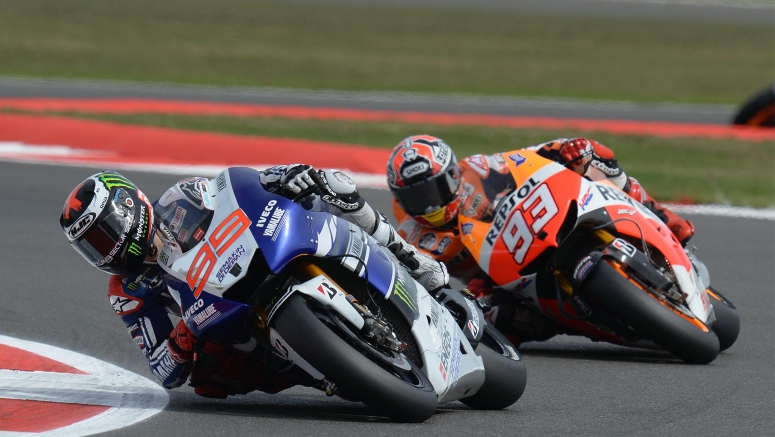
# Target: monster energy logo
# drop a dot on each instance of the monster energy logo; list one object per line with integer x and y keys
{"x": 112, "y": 180}
{"x": 402, "y": 294}
{"x": 135, "y": 249}
{"x": 133, "y": 286}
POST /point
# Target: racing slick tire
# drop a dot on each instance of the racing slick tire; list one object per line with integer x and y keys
{"x": 759, "y": 110}
{"x": 352, "y": 371}
{"x": 727, "y": 324}
{"x": 679, "y": 334}
{"x": 505, "y": 376}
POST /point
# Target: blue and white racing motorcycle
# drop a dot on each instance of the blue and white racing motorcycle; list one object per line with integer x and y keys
{"x": 325, "y": 300}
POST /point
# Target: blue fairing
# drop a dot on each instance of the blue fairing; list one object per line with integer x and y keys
{"x": 300, "y": 229}
{"x": 284, "y": 230}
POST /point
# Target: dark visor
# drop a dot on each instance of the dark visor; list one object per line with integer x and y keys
{"x": 105, "y": 235}
{"x": 429, "y": 195}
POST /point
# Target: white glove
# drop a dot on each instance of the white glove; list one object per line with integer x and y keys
{"x": 296, "y": 179}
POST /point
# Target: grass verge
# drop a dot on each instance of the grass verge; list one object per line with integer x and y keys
{"x": 241, "y": 42}
{"x": 701, "y": 170}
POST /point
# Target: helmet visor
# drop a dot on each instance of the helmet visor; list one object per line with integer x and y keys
{"x": 428, "y": 195}
{"x": 106, "y": 236}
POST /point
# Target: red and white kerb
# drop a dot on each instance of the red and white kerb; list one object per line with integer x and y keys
{"x": 45, "y": 389}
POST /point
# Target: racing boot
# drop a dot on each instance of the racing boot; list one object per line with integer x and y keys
{"x": 430, "y": 273}
{"x": 682, "y": 229}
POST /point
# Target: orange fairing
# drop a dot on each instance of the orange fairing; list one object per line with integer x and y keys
{"x": 654, "y": 231}
{"x": 526, "y": 221}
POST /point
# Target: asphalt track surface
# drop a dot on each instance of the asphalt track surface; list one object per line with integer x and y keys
{"x": 395, "y": 101}
{"x": 575, "y": 387}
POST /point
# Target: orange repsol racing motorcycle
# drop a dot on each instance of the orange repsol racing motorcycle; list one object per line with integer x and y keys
{"x": 588, "y": 256}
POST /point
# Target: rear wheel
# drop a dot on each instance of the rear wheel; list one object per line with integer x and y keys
{"x": 682, "y": 335}
{"x": 399, "y": 390}
{"x": 727, "y": 324}
{"x": 505, "y": 376}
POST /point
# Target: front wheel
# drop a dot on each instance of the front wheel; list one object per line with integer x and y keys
{"x": 505, "y": 376}
{"x": 727, "y": 324}
{"x": 683, "y": 336}
{"x": 404, "y": 395}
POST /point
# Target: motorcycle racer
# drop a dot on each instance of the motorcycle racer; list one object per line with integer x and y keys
{"x": 114, "y": 226}
{"x": 430, "y": 188}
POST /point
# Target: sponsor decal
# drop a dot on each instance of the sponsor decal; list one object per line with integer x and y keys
{"x": 410, "y": 154}
{"x": 206, "y": 316}
{"x": 427, "y": 241}
{"x": 442, "y": 245}
{"x": 391, "y": 176}
{"x": 123, "y": 305}
{"x": 276, "y": 223}
{"x": 414, "y": 169}
{"x": 229, "y": 263}
{"x": 142, "y": 225}
{"x": 113, "y": 180}
{"x": 471, "y": 210}
{"x": 612, "y": 194}
{"x": 327, "y": 290}
{"x": 522, "y": 284}
{"x": 499, "y": 158}
{"x": 73, "y": 203}
{"x": 582, "y": 268}
{"x": 183, "y": 234}
{"x": 164, "y": 257}
{"x": 206, "y": 201}
{"x": 339, "y": 203}
{"x": 518, "y": 159}
{"x": 584, "y": 202}
{"x": 343, "y": 178}
{"x": 466, "y": 228}
{"x": 705, "y": 301}
{"x": 505, "y": 206}
{"x": 479, "y": 164}
{"x": 134, "y": 249}
{"x": 449, "y": 367}
{"x": 473, "y": 324}
{"x": 442, "y": 153}
{"x": 193, "y": 308}
{"x": 435, "y": 314}
{"x": 625, "y": 211}
{"x": 169, "y": 210}
{"x": 265, "y": 213}
{"x": 198, "y": 234}
{"x": 624, "y": 247}
{"x": 80, "y": 227}
{"x": 177, "y": 220}
{"x": 220, "y": 182}
{"x": 281, "y": 348}
{"x": 191, "y": 188}
{"x": 404, "y": 295}
{"x": 610, "y": 171}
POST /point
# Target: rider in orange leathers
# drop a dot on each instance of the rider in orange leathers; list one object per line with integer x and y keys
{"x": 430, "y": 188}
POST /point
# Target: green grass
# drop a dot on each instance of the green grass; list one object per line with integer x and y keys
{"x": 703, "y": 170}
{"x": 254, "y": 42}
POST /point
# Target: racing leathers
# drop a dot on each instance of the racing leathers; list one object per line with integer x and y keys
{"x": 485, "y": 179}
{"x": 183, "y": 214}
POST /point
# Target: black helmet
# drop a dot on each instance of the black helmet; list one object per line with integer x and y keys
{"x": 109, "y": 221}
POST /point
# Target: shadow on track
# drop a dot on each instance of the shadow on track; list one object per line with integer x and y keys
{"x": 290, "y": 405}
